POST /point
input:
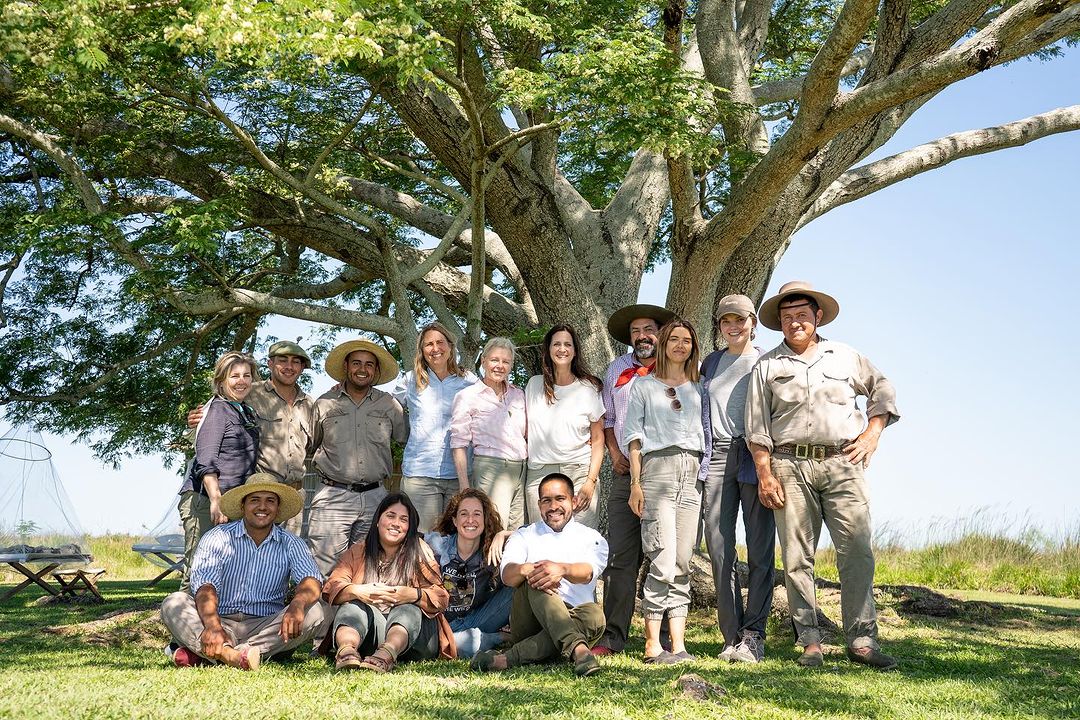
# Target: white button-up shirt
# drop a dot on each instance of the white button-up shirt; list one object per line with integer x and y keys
{"x": 575, "y": 543}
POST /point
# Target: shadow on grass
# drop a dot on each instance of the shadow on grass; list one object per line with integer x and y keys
{"x": 1014, "y": 666}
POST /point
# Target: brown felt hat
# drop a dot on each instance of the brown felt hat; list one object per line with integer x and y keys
{"x": 289, "y": 501}
{"x": 770, "y": 309}
{"x": 335, "y": 361}
{"x": 618, "y": 325}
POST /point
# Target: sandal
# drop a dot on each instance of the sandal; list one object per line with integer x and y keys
{"x": 347, "y": 658}
{"x": 380, "y": 661}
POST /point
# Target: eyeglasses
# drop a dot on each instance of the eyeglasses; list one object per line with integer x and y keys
{"x": 670, "y": 392}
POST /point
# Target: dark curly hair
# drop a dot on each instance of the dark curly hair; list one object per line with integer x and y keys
{"x": 492, "y": 522}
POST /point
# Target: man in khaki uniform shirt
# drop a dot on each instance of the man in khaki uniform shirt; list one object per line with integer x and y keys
{"x": 285, "y": 416}
{"x": 354, "y": 425}
{"x": 810, "y": 444}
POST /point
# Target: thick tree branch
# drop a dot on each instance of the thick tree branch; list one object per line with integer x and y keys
{"x": 826, "y": 69}
{"x": 1022, "y": 29}
{"x": 791, "y": 88}
{"x": 870, "y": 178}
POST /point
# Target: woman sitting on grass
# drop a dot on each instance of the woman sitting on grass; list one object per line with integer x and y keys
{"x": 391, "y": 595}
{"x": 468, "y": 541}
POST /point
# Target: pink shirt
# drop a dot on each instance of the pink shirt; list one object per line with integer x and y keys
{"x": 494, "y": 427}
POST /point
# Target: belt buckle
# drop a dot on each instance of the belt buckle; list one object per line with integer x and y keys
{"x": 818, "y": 452}
{"x": 802, "y": 452}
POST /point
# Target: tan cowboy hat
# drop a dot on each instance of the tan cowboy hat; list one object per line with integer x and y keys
{"x": 289, "y": 501}
{"x": 770, "y": 309}
{"x": 618, "y": 325}
{"x": 335, "y": 361}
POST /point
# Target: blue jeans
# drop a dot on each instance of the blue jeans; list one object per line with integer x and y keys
{"x": 478, "y": 629}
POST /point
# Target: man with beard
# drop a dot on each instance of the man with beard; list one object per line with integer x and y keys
{"x": 553, "y": 564}
{"x": 810, "y": 443}
{"x": 636, "y": 326}
{"x": 284, "y": 414}
{"x": 354, "y": 425}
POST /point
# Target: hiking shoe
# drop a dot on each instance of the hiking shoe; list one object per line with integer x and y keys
{"x": 587, "y": 665}
{"x": 725, "y": 654}
{"x": 750, "y": 650}
{"x": 811, "y": 658}
{"x": 872, "y": 657}
{"x": 183, "y": 657}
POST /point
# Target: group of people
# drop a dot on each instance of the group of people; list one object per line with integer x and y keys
{"x": 492, "y": 540}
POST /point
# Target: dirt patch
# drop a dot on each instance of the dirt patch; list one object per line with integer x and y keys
{"x": 141, "y": 628}
{"x": 697, "y": 688}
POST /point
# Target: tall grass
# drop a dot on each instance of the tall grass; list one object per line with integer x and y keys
{"x": 980, "y": 552}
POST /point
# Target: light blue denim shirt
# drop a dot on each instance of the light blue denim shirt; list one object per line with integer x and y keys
{"x": 427, "y": 453}
{"x": 651, "y": 418}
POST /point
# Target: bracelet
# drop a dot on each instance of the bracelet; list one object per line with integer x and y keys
{"x": 418, "y": 596}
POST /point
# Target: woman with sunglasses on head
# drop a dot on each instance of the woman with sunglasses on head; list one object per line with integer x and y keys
{"x": 488, "y": 417}
{"x": 226, "y": 445}
{"x": 664, "y": 432}
{"x": 468, "y": 541}
{"x": 427, "y": 393}
{"x": 566, "y": 425}
{"x": 390, "y": 596}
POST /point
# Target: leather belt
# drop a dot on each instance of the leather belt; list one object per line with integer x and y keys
{"x": 355, "y": 487}
{"x": 808, "y": 452}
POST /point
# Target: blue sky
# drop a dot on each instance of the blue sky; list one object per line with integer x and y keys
{"x": 959, "y": 285}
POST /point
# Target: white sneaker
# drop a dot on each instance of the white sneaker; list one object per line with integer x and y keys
{"x": 727, "y": 652}
{"x": 750, "y": 650}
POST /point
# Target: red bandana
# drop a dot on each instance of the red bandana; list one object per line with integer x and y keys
{"x": 631, "y": 372}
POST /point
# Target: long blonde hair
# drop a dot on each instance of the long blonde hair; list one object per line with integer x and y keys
{"x": 224, "y": 365}
{"x": 420, "y": 368}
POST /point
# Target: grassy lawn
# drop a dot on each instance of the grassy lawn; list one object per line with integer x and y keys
{"x": 1008, "y": 662}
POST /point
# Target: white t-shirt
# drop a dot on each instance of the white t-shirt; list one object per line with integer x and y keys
{"x": 559, "y": 432}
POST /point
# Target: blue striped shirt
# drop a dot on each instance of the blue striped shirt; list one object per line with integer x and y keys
{"x": 249, "y": 578}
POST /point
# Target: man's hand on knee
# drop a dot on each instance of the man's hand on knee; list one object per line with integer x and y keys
{"x": 546, "y": 575}
{"x": 213, "y": 640}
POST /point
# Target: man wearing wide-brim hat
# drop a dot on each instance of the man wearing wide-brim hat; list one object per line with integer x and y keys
{"x": 637, "y": 326}
{"x": 811, "y": 443}
{"x": 235, "y": 612}
{"x": 354, "y": 425}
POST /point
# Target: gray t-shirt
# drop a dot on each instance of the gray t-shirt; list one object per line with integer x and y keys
{"x": 727, "y": 395}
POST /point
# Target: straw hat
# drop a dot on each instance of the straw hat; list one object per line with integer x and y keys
{"x": 335, "y": 361}
{"x": 770, "y": 309}
{"x": 618, "y": 325}
{"x": 289, "y": 501}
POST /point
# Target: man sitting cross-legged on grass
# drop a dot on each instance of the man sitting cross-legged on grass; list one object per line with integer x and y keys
{"x": 553, "y": 564}
{"x": 240, "y": 576}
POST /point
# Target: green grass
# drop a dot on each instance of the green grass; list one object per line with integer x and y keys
{"x": 1014, "y": 663}
{"x": 976, "y": 553}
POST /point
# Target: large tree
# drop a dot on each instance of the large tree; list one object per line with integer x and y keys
{"x": 175, "y": 172}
